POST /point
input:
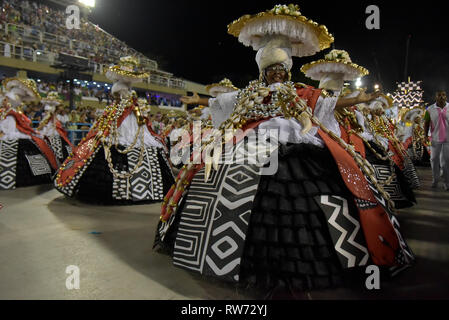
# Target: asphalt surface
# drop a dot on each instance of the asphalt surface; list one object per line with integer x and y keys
{"x": 42, "y": 233}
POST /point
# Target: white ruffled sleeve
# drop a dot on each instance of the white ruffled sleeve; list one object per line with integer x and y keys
{"x": 222, "y": 107}
{"x": 406, "y": 133}
{"x": 384, "y": 141}
{"x": 324, "y": 111}
{"x": 290, "y": 131}
{"x": 8, "y": 127}
{"x": 128, "y": 130}
{"x": 360, "y": 119}
{"x": 49, "y": 130}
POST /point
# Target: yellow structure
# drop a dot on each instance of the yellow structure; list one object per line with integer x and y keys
{"x": 44, "y": 68}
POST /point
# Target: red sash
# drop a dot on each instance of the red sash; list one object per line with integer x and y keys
{"x": 408, "y": 142}
{"x": 397, "y": 155}
{"x": 23, "y": 125}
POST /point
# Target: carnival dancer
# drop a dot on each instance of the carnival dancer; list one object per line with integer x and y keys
{"x": 348, "y": 123}
{"x": 437, "y": 120}
{"x": 384, "y": 131}
{"x": 25, "y": 158}
{"x": 279, "y": 229}
{"x": 201, "y": 115}
{"x": 52, "y": 129}
{"x": 119, "y": 161}
{"x": 414, "y": 139}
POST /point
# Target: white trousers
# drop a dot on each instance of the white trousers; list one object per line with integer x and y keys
{"x": 440, "y": 160}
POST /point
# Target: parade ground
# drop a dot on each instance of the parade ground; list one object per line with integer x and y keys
{"x": 43, "y": 235}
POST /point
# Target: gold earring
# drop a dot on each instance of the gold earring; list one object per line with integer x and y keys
{"x": 289, "y": 76}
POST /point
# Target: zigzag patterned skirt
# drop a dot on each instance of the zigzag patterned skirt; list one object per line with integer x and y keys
{"x": 22, "y": 164}
{"x": 149, "y": 183}
{"x": 287, "y": 244}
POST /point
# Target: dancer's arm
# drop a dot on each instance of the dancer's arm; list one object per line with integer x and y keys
{"x": 363, "y": 97}
{"x": 195, "y": 99}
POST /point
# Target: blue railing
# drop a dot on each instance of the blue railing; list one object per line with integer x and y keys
{"x": 74, "y": 135}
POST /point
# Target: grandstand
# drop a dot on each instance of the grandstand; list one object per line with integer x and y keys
{"x": 33, "y": 35}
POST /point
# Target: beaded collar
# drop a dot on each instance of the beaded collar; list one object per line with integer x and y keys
{"x": 256, "y": 102}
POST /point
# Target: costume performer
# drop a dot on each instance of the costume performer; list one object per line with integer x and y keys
{"x": 53, "y": 130}
{"x": 384, "y": 131}
{"x": 119, "y": 161}
{"x": 25, "y": 158}
{"x": 414, "y": 139}
{"x": 284, "y": 229}
{"x": 332, "y": 71}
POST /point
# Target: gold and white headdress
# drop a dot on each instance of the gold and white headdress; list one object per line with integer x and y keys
{"x": 127, "y": 70}
{"x": 280, "y": 33}
{"x": 333, "y": 70}
{"x": 52, "y": 99}
{"x": 27, "y": 85}
{"x": 224, "y": 86}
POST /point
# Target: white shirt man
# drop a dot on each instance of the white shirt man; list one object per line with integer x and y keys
{"x": 437, "y": 119}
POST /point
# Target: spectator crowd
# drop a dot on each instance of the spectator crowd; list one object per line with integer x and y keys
{"x": 90, "y": 41}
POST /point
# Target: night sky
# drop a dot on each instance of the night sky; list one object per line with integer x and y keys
{"x": 190, "y": 39}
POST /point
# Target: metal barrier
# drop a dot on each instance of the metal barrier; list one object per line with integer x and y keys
{"x": 32, "y": 34}
{"x": 64, "y": 42}
{"x": 74, "y": 135}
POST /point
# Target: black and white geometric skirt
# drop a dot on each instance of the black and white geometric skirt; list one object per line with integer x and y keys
{"x": 96, "y": 184}
{"x": 420, "y": 158}
{"x": 399, "y": 190}
{"x": 22, "y": 164}
{"x": 269, "y": 231}
{"x": 60, "y": 147}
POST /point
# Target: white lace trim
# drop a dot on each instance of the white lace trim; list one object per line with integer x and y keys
{"x": 290, "y": 132}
